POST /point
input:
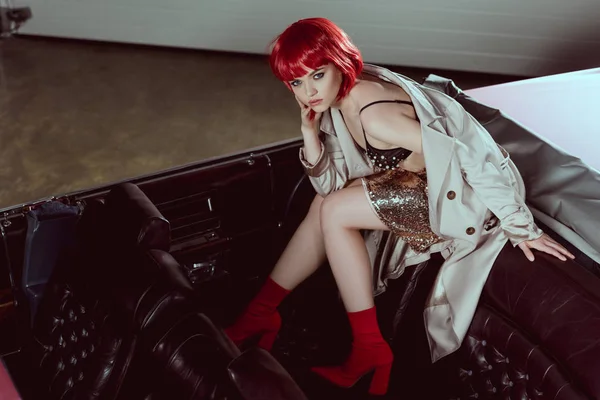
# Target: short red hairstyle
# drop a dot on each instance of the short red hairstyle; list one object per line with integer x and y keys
{"x": 311, "y": 43}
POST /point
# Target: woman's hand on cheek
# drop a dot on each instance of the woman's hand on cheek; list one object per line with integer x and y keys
{"x": 310, "y": 119}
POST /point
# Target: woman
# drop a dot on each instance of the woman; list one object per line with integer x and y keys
{"x": 395, "y": 156}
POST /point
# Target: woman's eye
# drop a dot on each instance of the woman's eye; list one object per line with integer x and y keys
{"x": 295, "y": 83}
{"x": 319, "y": 75}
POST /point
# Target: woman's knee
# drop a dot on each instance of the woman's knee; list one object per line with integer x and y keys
{"x": 331, "y": 213}
{"x": 315, "y": 209}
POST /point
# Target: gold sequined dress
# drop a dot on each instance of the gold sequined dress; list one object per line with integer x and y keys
{"x": 398, "y": 196}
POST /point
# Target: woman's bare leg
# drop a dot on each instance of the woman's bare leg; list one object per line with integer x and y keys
{"x": 301, "y": 258}
{"x": 305, "y": 252}
{"x": 343, "y": 214}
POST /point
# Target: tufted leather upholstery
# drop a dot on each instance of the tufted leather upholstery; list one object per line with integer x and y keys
{"x": 535, "y": 333}
{"x": 87, "y": 343}
{"x": 486, "y": 370}
{"x": 101, "y": 298}
{"x": 67, "y": 339}
{"x": 194, "y": 360}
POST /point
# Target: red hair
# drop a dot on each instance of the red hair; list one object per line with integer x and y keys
{"x": 311, "y": 43}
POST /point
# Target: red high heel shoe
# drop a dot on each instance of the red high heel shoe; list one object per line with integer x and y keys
{"x": 261, "y": 317}
{"x": 370, "y": 352}
{"x": 249, "y": 326}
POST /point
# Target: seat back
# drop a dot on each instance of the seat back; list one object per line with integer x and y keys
{"x": 101, "y": 296}
{"x": 133, "y": 221}
{"x": 257, "y": 375}
{"x": 194, "y": 360}
{"x": 534, "y": 335}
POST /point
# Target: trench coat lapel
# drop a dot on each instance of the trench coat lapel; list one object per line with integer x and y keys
{"x": 438, "y": 147}
{"x": 326, "y": 124}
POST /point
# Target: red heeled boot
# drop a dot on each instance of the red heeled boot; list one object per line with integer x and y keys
{"x": 260, "y": 317}
{"x": 370, "y": 352}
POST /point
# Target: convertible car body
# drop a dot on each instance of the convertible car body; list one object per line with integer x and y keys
{"x": 120, "y": 292}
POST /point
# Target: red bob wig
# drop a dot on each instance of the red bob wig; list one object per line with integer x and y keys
{"x": 311, "y": 43}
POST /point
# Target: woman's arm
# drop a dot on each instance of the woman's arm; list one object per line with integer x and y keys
{"x": 321, "y": 156}
{"x": 312, "y": 152}
{"x": 329, "y": 171}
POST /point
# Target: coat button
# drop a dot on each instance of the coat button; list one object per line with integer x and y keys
{"x": 451, "y": 195}
{"x": 470, "y": 230}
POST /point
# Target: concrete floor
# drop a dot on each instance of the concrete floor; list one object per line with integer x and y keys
{"x": 77, "y": 114}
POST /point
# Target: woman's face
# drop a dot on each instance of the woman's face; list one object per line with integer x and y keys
{"x": 319, "y": 88}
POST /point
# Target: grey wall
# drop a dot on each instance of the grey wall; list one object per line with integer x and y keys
{"x": 522, "y": 37}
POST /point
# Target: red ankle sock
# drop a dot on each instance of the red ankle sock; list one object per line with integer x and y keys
{"x": 365, "y": 328}
{"x": 261, "y": 316}
{"x": 369, "y": 352}
{"x": 269, "y": 297}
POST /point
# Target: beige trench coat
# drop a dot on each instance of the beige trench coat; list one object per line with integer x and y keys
{"x": 486, "y": 208}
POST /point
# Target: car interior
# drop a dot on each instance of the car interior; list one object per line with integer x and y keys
{"x": 123, "y": 291}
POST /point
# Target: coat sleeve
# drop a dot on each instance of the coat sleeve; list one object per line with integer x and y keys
{"x": 330, "y": 172}
{"x": 476, "y": 151}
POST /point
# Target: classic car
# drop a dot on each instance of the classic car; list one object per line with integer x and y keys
{"x": 122, "y": 291}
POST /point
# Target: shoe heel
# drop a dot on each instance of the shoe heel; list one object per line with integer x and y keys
{"x": 381, "y": 379}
